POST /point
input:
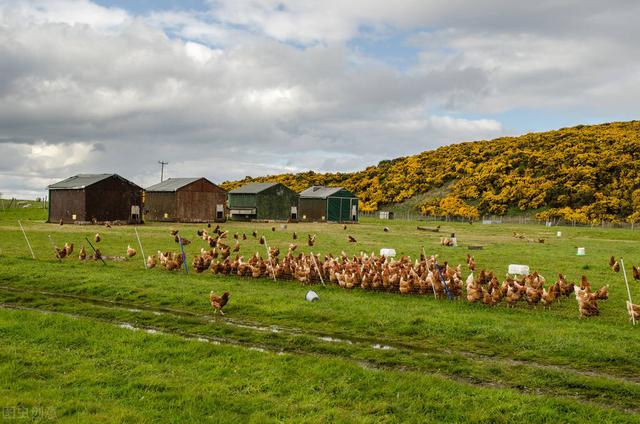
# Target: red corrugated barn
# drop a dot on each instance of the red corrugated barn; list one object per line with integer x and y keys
{"x": 185, "y": 200}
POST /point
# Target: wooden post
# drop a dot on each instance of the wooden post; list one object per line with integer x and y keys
{"x": 624, "y": 272}
{"x": 273, "y": 271}
{"x": 319, "y": 272}
{"x": 25, "y": 237}
{"x": 144, "y": 258}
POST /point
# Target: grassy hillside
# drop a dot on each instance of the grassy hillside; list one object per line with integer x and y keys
{"x": 584, "y": 174}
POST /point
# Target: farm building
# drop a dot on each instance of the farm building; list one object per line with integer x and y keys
{"x": 185, "y": 200}
{"x": 263, "y": 201}
{"x": 95, "y": 197}
{"x": 333, "y": 204}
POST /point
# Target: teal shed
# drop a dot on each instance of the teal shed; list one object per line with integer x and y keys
{"x": 333, "y": 204}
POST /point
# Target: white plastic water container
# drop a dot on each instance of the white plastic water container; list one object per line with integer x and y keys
{"x": 518, "y": 269}
{"x": 388, "y": 253}
{"x": 312, "y": 296}
{"x": 559, "y": 234}
{"x": 581, "y": 252}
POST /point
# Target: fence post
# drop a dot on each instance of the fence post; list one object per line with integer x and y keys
{"x": 25, "y": 237}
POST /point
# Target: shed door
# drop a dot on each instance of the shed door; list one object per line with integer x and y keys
{"x": 219, "y": 211}
{"x": 333, "y": 209}
{"x": 294, "y": 213}
{"x": 354, "y": 210}
{"x": 345, "y": 209}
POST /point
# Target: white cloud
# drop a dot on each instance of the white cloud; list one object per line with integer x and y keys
{"x": 46, "y": 156}
{"x": 72, "y": 12}
{"x": 475, "y": 126}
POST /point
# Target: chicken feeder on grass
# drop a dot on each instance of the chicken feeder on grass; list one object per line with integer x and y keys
{"x": 581, "y": 252}
{"x": 516, "y": 269}
{"x": 388, "y": 253}
{"x": 312, "y": 296}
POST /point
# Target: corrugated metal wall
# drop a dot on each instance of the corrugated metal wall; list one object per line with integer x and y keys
{"x": 194, "y": 206}
{"x": 341, "y": 208}
{"x": 111, "y": 200}
{"x": 276, "y": 203}
{"x": 63, "y": 204}
{"x": 157, "y": 204}
{"x": 313, "y": 209}
{"x": 195, "y": 202}
{"x": 242, "y": 200}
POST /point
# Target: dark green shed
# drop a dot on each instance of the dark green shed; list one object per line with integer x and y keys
{"x": 335, "y": 204}
{"x": 270, "y": 201}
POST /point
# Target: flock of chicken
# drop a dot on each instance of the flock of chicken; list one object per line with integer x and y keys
{"x": 424, "y": 276}
{"x": 67, "y": 250}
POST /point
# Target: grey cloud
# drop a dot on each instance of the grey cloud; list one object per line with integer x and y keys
{"x": 17, "y": 140}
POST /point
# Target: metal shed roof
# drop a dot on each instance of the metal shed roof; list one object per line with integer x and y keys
{"x": 172, "y": 184}
{"x": 320, "y": 192}
{"x": 252, "y": 188}
{"x": 80, "y": 181}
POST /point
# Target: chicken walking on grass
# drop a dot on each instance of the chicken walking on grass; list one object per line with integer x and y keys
{"x": 218, "y": 302}
{"x": 60, "y": 253}
{"x": 613, "y": 263}
{"x": 471, "y": 263}
{"x": 636, "y": 272}
{"x": 82, "y": 254}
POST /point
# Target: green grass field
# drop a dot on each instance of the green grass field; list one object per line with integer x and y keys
{"x": 86, "y": 342}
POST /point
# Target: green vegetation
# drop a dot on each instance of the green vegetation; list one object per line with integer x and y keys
{"x": 582, "y": 174}
{"x": 354, "y": 356}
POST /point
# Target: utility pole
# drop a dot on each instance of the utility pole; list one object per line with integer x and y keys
{"x": 162, "y": 164}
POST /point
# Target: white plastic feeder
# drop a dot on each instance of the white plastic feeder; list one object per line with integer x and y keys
{"x": 388, "y": 253}
{"x": 559, "y": 234}
{"x": 581, "y": 252}
{"x": 518, "y": 269}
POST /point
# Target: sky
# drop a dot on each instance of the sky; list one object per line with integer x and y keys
{"x": 229, "y": 88}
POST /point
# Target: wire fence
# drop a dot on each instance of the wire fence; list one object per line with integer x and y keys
{"x": 14, "y": 203}
{"x": 497, "y": 219}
